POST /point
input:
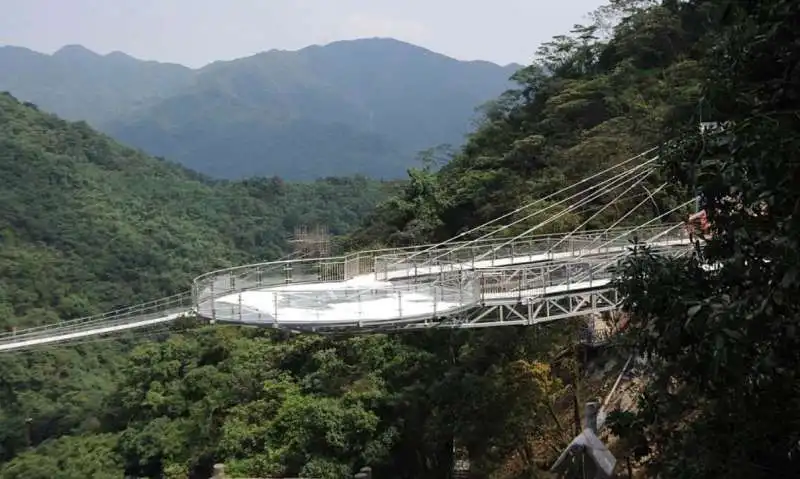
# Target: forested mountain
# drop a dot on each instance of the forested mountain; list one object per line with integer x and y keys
{"x": 719, "y": 393}
{"x": 88, "y": 224}
{"x": 351, "y": 107}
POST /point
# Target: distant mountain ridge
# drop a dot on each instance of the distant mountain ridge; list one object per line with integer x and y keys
{"x": 79, "y": 84}
{"x": 359, "y": 106}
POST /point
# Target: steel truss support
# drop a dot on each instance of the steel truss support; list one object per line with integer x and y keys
{"x": 530, "y": 311}
{"x": 539, "y": 310}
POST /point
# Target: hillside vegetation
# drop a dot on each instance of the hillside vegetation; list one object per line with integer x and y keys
{"x": 87, "y": 225}
{"x": 720, "y": 399}
{"x": 70, "y": 194}
{"x": 722, "y": 381}
{"x": 353, "y": 107}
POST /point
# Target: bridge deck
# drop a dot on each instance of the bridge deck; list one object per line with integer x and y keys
{"x": 365, "y": 300}
{"x": 22, "y": 341}
{"x": 409, "y": 295}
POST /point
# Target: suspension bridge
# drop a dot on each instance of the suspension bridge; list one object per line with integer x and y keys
{"x": 483, "y": 277}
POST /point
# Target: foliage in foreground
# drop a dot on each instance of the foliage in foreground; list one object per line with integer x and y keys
{"x": 313, "y": 407}
{"x": 723, "y": 342}
{"x": 87, "y": 225}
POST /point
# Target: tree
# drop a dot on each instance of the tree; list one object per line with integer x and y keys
{"x": 723, "y": 340}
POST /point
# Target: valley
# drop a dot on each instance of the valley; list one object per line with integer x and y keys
{"x": 92, "y": 220}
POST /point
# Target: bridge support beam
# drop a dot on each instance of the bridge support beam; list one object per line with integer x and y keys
{"x": 539, "y": 310}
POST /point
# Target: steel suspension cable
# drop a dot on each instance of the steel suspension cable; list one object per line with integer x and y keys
{"x": 620, "y": 180}
{"x": 539, "y": 201}
{"x": 649, "y": 240}
{"x": 643, "y": 176}
{"x": 621, "y": 177}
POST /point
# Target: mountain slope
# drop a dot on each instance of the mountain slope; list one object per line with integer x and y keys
{"x": 87, "y": 225}
{"x": 363, "y": 106}
{"x": 90, "y": 224}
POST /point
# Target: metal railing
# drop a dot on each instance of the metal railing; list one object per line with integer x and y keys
{"x": 523, "y": 249}
{"x": 166, "y": 307}
{"x": 300, "y": 306}
{"x": 444, "y": 292}
{"x": 672, "y": 240}
{"x": 338, "y": 268}
{"x": 551, "y": 277}
{"x": 226, "y": 281}
{"x": 163, "y": 307}
{"x": 451, "y": 283}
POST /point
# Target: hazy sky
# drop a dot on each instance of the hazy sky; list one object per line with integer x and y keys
{"x": 197, "y": 32}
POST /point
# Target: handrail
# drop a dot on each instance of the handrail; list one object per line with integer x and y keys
{"x": 241, "y": 279}
{"x": 397, "y": 248}
{"x": 136, "y": 310}
{"x": 302, "y": 306}
{"x": 338, "y": 268}
{"x": 154, "y": 309}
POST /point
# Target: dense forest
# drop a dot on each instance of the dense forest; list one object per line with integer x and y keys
{"x": 721, "y": 343}
{"x": 88, "y": 224}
